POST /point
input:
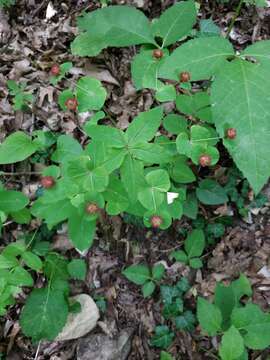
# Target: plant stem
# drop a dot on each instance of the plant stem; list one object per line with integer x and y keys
{"x": 237, "y": 12}
{"x": 2, "y": 173}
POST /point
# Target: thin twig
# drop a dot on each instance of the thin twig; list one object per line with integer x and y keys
{"x": 2, "y": 173}
{"x": 37, "y": 352}
{"x": 237, "y": 12}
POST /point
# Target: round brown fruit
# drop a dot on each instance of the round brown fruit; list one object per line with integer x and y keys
{"x": 185, "y": 76}
{"x": 205, "y": 160}
{"x": 91, "y": 208}
{"x": 71, "y": 104}
{"x": 156, "y": 221}
{"x": 47, "y": 182}
{"x": 55, "y": 70}
{"x": 231, "y": 133}
{"x": 158, "y": 54}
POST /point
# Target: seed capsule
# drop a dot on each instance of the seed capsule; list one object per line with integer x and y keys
{"x": 231, "y": 133}
{"x": 91, "y": 208}
{"x": 55, "y": 70}
{"x": 156, "y": 221}
{"x": 158, "y": 54}
{"x": 47, "y": 182}
{"x": 205, "y": 160}
{"x": 185, "y": 76}
{"x": 71, "y": 104}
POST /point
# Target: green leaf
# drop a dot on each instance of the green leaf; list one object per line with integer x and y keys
{"x": 16, "y": 147}
{"x": 116, "y": 197}
{"x": 144, "y": 127}
{"x": 241, "y": 287}
{"x": 158, "y": 179}
{"x": 179, "y": 255}
{"x": 148, "y": 288}
{"x": 165, "y": 356}
{"x": 195, "y": 243}
{"x": 175, "y": 124}
{"x": 44, "y": 314}
{"x": 190, "y": 208}
{"x": 113, "y": 137}
{"x": 81, "y": 230}
{"x": 138, "y": 274}
{"x": 225, "y": 300}
{"x": 8, "y": 261}
{"x": 166, "y": 93}
{"x": 260, "y": 51}
{"x": 151, "y": 153}
{"x": 208, "y": 28}
{"x": 12, "y": 201}
{"x": 64, "y": 68}
{"x": 144, "y": 70}
{"x": 186, "y": 321}
{"x": 202, "y": 58}
{"x": 77, "y": 269}
{"x": 63, "y": 97}
{"x": 195, "y": 263}
{"x": 232, "y": 345}
{"x": 91, "y": 94}
{"x": 158, "y": 272}
{"x": 67, "y": 148}
{"x": 209, "y": 316}
{"x": 151, "y": 198}
{"x": 255, "y": 324}
{"x": 131, "y": 176}
{"x": 32, "y": 260}
{"x": 181, "y": 172}
{"x": 210, "y": 192}
{"x": 175, "y": 22}
{"x": 247, "y": 108}
{"x": 20, "y": 277}
{"x": 163, "y": 337}
{"x": 111, "y": 26}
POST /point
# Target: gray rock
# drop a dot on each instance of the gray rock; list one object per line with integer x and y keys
{"x": 102, "y": 347}
{"x": 79, "y": 324}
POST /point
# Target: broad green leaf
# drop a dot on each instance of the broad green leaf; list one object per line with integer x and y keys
{"x": 63, "y": 97}
{"x": 158, "y": 179}
{"x": 180, "y": 256}
{"x": 260, "y": 50}
{"x": 175, "y": 124}
{"x": 163, "y": 337}
{"x": 166, "y": 93}
{"x": 225, "y": 300}
{"x": 32, "y": 260}
{"x": 132, "y": 176}
{"x": 54, "y": 212}
{"x": 144, "y": 70}
{"x": 12, "y": 201}
{"x": 209, "y": 316}
{"x": 20, "y": 277}
{"x": 165, "y": 356}
{"x": 241, "y": 287}
{"x": 195, "y": 243}
{"x": 195, "y": 263}
{"x": 91, "y": 94}
{"x": 210, "y": 192}
{"x": 197, "y": 105}
{"x": 16, "y": 147}
{"x": 8, "y": 261}
{"x": 77, "y": 269}
{"x": 116, "y": 197}
{"x": 81, "y": 230}
{"x": 138, "y": 274}
{"x": 246, "y": 108}
{"x": 148, "y": 288}
{"x": 14, "y": 249}
{"x": 158, "y": 272}
{"x": 151, "y": 153}
{"x": 151, "y": 198}
{"x": 202, "y": 58}
{"x": 175, "y": 22}
{"x": 208, "y": 28}
{"x": 186, "y": 321}
{"x": 67, "y": 148}
{"x": 111, "y": 26}
{"x": 144, "y": 127}
{"x": 181, "y": 172}
{"x": 44, "y": 314}
{"x": 103, "y": 133}
{"x": 256, "y": 326}
{"x": 232, "y": 345}
{"x": 190, "y": 207}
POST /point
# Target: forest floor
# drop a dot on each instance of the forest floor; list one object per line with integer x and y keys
{"x": 30, "y": 43}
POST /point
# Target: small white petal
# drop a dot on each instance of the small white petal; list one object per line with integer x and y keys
{"x": 171, "y": 196}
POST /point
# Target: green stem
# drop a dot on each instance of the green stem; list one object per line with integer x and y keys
{"x": 237, "y": 12}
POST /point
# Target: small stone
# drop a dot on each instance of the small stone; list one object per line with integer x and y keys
{"x": 79, "y": 324}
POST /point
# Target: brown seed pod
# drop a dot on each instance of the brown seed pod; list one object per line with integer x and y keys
{"x": 55, "y": 70}
{"x": 185, "y": 76}
{"x": 47, "y": 182}
{"x": 158, "y": 54}
{"x": 205, "y": 160}
{"x": 91, "y": 208}
{"x": 231, "y": 133}
{"x": 156, "y": 221}
{"x": 71, "y": 104}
